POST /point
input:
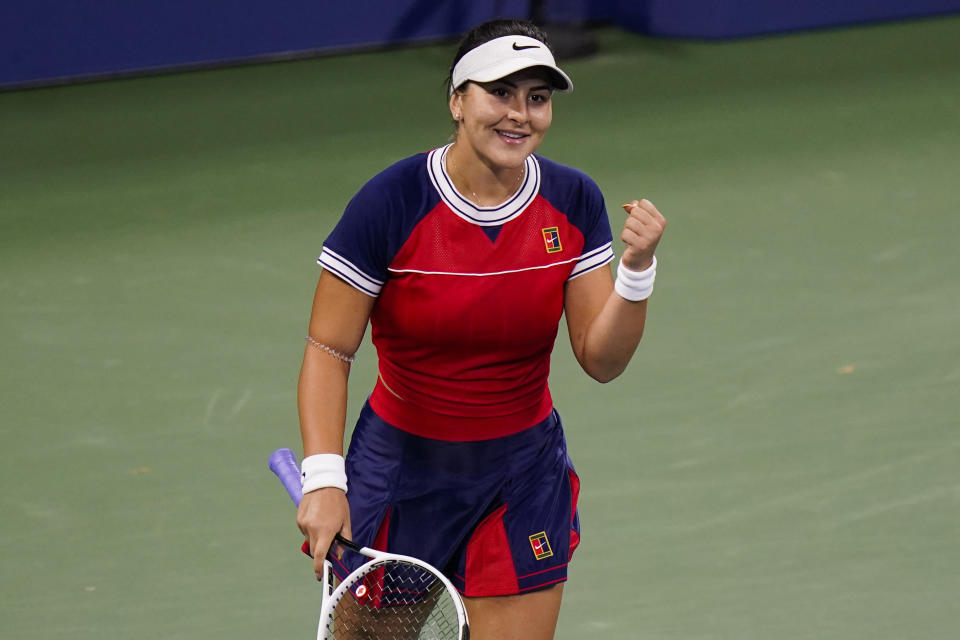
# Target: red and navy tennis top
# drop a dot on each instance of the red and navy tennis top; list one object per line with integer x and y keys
{"x": 469, "y": 298}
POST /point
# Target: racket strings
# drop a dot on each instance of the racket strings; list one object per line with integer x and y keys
{"x": 395, "y": 601}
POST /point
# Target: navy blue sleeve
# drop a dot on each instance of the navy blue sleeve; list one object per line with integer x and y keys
{"x": 375, "y": 223}
{"x": 584, "y": 206}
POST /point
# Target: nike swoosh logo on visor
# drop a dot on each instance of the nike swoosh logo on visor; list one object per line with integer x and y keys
{"x": 517, "y": 47}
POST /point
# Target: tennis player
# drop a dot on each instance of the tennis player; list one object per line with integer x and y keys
{"x": 462, "y": 260}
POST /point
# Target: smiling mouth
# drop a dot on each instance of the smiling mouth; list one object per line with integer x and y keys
{"x": 512, "y": 137}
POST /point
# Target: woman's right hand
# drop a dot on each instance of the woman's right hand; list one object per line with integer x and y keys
{"x": 321, "y": 516}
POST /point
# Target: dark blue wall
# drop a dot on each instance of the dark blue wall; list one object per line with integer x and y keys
{"x": 55, "y": 39}
{"x": 738, "y": 18}
{"x": 43, "y": 41}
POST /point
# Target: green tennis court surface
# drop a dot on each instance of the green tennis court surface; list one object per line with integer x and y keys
{"x": 782, "y": 459}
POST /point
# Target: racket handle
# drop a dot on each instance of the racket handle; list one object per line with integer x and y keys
{"x": 284, "y": 464}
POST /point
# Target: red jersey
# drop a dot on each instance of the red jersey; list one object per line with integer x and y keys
{"x": 469, "y": 298}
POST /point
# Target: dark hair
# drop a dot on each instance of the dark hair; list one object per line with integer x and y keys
{"x": 492, "y": 30}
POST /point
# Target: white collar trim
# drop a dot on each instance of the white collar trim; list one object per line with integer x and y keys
{"x": 466, "y": 209}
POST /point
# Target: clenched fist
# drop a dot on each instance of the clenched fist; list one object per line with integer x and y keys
{"x": 641, "y": 233}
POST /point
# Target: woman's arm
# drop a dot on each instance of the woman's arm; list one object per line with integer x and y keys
{"x": 338, "y": 321}
{"x": 605, "y": 328}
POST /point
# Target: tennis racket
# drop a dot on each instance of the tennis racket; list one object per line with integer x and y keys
{"x": 389, "y": 597}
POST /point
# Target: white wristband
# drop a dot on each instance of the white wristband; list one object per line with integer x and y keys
{"x": 323, "y": 470}
{"x": 635, "y": 285}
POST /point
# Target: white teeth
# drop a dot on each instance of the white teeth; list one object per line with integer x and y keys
{"x": 510, "y": 135}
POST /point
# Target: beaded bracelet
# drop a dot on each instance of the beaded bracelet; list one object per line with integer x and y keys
{"x": 339, "y": 355}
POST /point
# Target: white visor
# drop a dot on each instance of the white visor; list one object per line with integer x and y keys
{"x": 500, "y": 57}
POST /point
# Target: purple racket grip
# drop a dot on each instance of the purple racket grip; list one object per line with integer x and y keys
{"x": 284, "y": 464}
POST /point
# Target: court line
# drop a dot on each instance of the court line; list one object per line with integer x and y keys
{"x": 930, "y": 495}
{"x": 821, "y": 489}
{"x": 240, "y": 404}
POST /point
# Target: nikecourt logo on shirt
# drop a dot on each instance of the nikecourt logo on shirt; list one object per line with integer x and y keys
{"x": 517, "y": 47}
{"x": 551, "y": 238}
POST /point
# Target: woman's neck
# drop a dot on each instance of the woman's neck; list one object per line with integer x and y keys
{"x": 484, "y": 185}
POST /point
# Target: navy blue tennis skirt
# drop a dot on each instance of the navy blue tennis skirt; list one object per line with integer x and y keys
{"x": 498, "y": 517}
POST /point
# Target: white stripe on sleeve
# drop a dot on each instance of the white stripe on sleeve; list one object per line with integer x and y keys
{"x": 349, "y": 272}
{"x": 589, "y": 261}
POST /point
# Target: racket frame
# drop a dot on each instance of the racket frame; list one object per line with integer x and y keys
{"x": 283, "y": 463}
{"x": 377, "y": 558}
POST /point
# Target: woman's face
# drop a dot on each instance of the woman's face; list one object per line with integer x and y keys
{"x": 504, "y": 121}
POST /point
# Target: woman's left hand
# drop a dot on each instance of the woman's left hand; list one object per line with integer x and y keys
{"x": 641, "y": 233}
